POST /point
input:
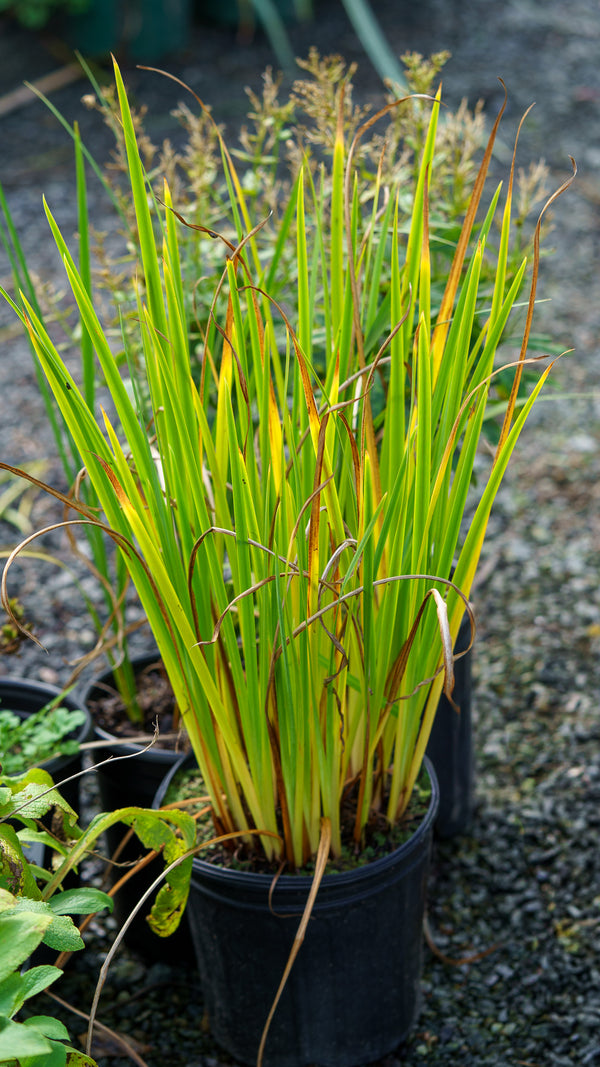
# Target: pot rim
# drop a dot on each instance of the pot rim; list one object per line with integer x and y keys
{"x": 344, "y": 880}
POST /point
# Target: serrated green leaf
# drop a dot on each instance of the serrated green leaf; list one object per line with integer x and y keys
{"x": 36, "y": 979}
{"x": 81, "y": 901}
{"x": 19, "y": 936}
{"x": 16, "y": 988}
{"x": 61, "y": 933}
{"x": 34, "y": 793}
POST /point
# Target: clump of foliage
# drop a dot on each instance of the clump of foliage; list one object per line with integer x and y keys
{"x": 291, "y": 487}
{"x": 282, "y": 135}
{"x": 36, "y": 738}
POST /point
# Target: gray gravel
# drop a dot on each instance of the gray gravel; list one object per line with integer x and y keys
{"x": 519, "y": 896}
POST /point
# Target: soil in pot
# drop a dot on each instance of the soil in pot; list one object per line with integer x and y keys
{"x": 138, "y": 784}
{"x": 353, "y": 993}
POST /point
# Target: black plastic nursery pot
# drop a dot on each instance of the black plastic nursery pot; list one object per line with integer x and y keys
{"x": 353, "y": 993}
{"x": 25, "y": 697}
{"x": 145, "y": 30}
{"x": 135, "y": 781}
{"x": 451, "y": 748}
{"x": 129, "y": 783}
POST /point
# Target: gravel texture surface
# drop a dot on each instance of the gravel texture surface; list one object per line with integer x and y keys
{"x": 518, "y": 897}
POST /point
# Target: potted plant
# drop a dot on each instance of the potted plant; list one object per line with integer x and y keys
{"x": 291, "y": 522}
{"x": 42, "y": 727}
{"x": 279, "y": 132}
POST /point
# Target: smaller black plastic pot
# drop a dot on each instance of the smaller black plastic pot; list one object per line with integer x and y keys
{"x": 24, "y": 697}
{"x": 451, "y": 749}
{"x": 353, "y": 993}
{"x": 128, "y": 784}
{"x": 135, "y": 782}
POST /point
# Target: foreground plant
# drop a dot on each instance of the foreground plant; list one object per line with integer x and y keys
{"x": 39, "y": 1040}
{"x": 292, "y": 520}
{"x": 35, "y": 909}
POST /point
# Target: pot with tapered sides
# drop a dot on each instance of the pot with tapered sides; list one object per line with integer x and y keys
{"x": 135, "y": 782}
{"x": 451, "y": 746}
{"x": 24, "y": 698}
{"x": 353, "y": 993}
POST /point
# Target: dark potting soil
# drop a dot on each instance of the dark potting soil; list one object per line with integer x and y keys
{"x": 379, "y": 839}
{"x": 515, "y": 901}
{"x": 156, "y": 702}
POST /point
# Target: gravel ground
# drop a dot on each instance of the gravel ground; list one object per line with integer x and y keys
{"x": 519, "y": 896}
